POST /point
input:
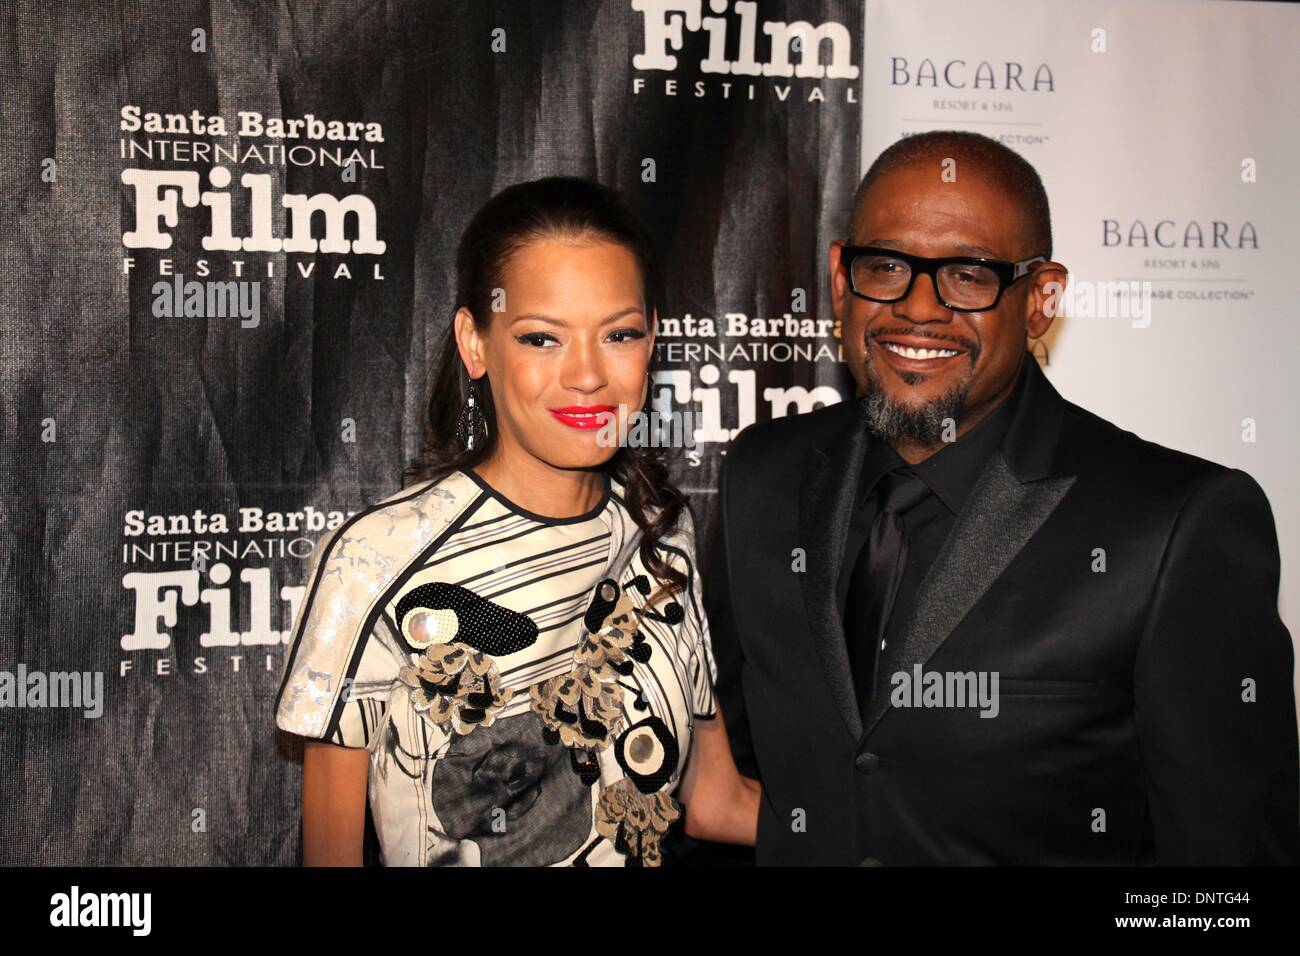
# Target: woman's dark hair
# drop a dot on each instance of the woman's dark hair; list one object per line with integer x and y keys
{"x": 558, "y": 207}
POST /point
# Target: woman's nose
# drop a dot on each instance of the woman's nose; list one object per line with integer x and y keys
{"x": 583, "y": 369}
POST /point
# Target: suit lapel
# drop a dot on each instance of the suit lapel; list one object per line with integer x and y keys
{"x": 1000, "y": 517}
{"x": 1020, "y": 486}
{"x": 826, "y": 492}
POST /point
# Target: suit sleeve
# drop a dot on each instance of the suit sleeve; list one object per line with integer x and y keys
{"x": 727, "y": 651}
{"x": 1214, "y": 699}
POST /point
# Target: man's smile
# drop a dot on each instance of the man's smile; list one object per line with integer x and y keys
{"x": 910, "y": 353}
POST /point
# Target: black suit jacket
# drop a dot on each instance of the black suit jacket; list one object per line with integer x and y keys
{"x": 1122, "y": 736}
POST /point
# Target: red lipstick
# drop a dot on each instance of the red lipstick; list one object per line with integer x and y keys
{"x": 586, "y": 417}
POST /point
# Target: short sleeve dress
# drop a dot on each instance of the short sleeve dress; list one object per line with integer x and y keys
{"x": 523, "y": 702}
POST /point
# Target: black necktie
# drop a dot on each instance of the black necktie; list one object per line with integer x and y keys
{"x": 876, "y": 576}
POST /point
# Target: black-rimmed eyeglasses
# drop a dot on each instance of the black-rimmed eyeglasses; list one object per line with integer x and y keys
{"x": 961, "y": 283}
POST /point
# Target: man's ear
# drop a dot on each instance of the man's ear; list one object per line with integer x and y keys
{"x": 839, "y": 283}
{"x": 1045, "y": 297}
{"x": 470, "y": 344}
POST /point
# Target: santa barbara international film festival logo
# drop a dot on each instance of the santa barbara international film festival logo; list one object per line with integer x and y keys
{"x": 719, "y": 374}
{"x": 232, "y": 195}
{"x": 732, "y": 47}
{"x": 175, "y": 560}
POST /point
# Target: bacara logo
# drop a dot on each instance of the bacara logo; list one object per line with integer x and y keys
{"x": 958, "y": 75}
{"x": 665, "y": 19}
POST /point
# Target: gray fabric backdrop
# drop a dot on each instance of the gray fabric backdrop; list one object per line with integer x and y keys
{"x": 108, "y": 408}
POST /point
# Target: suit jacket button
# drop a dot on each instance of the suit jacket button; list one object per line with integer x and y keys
{"x": 871, "y": 861}
{"x": 866, "y": 763}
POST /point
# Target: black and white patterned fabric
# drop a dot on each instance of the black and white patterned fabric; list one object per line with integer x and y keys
{"x": 527, "y": 698}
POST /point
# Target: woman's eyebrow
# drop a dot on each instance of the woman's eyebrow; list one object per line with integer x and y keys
{"x": 551, "y": 320}
{"x": 614, "y": 317}
{"x": 538, "y": 317}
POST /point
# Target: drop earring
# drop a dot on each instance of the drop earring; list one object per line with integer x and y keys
{"x": 472, "y": 419}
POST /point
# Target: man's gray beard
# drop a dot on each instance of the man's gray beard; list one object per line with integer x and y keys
{"x": 894, "y": 421}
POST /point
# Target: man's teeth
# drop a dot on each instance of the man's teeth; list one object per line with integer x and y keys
{"x": 908, "y": 352}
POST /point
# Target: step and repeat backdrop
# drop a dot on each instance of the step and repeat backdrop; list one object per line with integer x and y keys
{"x": 228, "y": 248}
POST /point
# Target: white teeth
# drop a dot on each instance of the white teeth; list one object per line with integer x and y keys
{"x": 909, "y": 352}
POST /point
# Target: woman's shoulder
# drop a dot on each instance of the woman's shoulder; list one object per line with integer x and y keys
{"x": 436, "y": 492}
{"x": 348, "y": 570}
{"x": 681, "y": 537}
{"x": 403, "y": 520}
{"x": 427, "y": 498}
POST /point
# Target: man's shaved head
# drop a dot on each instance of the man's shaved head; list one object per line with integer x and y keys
{"x": 1003, "y": 168}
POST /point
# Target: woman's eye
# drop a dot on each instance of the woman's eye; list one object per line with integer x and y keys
{"x": 626, "y": 335}
{"x": 535, "y": 339}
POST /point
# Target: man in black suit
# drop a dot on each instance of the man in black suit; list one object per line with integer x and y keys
{"x": 963, "y": 621}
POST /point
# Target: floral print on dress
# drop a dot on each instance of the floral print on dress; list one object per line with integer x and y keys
{"x": 638, "y": 824}
{"x": 456, "y": 687}
{"x": 582, "y": 710}
{"x": 578, "y": 709}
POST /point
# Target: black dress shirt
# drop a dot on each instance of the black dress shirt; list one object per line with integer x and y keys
{"x": 950, "y": 474}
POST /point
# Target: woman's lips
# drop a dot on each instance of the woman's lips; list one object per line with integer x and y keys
{"x": 586, "y": 417}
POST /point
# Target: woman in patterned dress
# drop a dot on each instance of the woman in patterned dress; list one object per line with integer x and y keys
{"x": 507, "y": 662}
